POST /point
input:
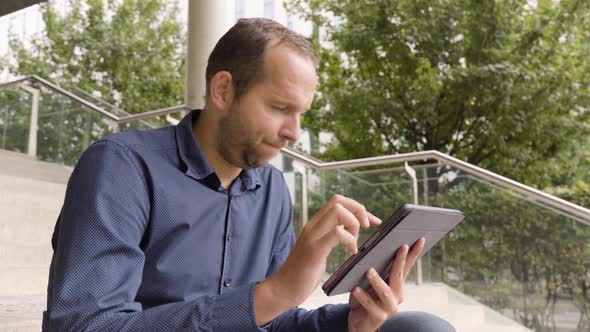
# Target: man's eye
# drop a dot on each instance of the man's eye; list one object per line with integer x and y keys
{"x": 280, "y": 108}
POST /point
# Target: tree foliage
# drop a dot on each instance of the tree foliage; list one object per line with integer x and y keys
{"x": 128, "y": 52}
{"x": 500, "y": 84}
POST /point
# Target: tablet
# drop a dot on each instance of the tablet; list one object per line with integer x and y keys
{"x": 407, "y": 225}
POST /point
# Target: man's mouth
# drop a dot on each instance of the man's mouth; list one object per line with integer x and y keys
{"x": 277, "y": 147}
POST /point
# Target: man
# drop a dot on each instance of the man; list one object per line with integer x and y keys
{"x": 187, "y": 228}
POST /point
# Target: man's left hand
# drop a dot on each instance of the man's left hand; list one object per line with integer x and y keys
{"x": 370, "y": 309}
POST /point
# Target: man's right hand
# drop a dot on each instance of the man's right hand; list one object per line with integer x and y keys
{"x": 338, "y": 222}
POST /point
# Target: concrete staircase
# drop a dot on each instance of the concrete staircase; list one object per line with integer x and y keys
{"x": 463, "y": 312}
{"x": 31, "y": 194}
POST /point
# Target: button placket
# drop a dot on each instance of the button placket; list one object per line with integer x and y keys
{"x": 226, "y": 281}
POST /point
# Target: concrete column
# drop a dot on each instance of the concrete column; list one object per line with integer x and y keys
{"x": 208, "y": 20}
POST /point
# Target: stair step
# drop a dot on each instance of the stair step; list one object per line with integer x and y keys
{"x": 27, "y": 233}
{"x": 461, "y": 316}
{"x": 25, "y": 256}
{"x": 465, "y": 314}
{"x": 20, "y": 165}
{"x": 12, "y": 185}
{"x": 21, "y": 198}
{"x": 18, "y": 324}
{"x": 38, "y": 215}
{"x": 493, "y": 328}
{"x": 15, "y": 281}
{"x": 21, "y": 313}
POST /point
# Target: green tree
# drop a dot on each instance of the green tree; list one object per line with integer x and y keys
{"x": 500, "y": 84}
{"x": 128, "y": 52}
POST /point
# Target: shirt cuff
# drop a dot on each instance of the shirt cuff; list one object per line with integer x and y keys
{"x": 337, "y": 316}
{"x": 233, "y": 310}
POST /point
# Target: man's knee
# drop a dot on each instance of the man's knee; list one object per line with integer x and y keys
{"x": 415, "y": 321}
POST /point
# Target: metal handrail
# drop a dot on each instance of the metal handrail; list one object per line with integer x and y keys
{"x": 152, "y": 113}
{"x": 70, "y": 95}
{"x": 111, "y": 116}
{"x": 504, "y": 182}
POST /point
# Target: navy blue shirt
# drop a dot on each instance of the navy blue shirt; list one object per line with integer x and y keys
{"x": 149, "y": 240}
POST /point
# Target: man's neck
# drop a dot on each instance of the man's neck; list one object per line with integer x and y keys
{"x": 205, "y": 132}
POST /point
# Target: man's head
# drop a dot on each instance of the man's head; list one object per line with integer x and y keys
{"x": 260, "y": 78}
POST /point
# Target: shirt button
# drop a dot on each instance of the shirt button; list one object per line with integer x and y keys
{"x": 227, "y": 283}
{"x": 229, "y": 238}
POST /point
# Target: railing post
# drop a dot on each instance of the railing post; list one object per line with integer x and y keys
{"x": 426, "y": 201}
{"x": 301, "y": 169}
{"x": 34, "y": 122}
{"x": 4, "y": 129}
{"x": 115, "y": 126}
{"x": 304, "y": 202}
{"x": 412, "y": 174}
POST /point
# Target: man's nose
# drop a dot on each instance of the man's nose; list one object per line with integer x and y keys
{"x": 291, "y": 129}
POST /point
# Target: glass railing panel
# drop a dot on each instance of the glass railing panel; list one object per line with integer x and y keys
{"x": 294, "y": 180}
{"x": 153, "y": 122}
{"x": 67, "y": 128}
{"x": 522, "y": 258}
{"x": 519, "y": 257}
{"x": 105, "y": 105}
{"x": 381, "y": 194}
{"x": 15, "y": 118}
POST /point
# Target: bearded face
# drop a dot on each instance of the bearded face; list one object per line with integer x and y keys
{"x": 267, "y": 115}
{"x": 242, "y": 144}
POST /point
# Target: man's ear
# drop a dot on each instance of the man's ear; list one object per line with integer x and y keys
{"x": 221, "y": 90}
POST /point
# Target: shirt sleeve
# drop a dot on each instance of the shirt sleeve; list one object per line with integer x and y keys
{"x": 98, "y": 261}
{"x": 326, "y": 318}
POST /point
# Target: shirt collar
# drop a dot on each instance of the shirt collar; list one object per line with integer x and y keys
{"x": 197, "y": 166}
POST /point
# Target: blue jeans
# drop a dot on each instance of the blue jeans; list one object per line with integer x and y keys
{"x": 416, "y": 321}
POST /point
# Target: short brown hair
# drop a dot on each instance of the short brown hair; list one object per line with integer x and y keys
{"x": 240, "y": 51}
